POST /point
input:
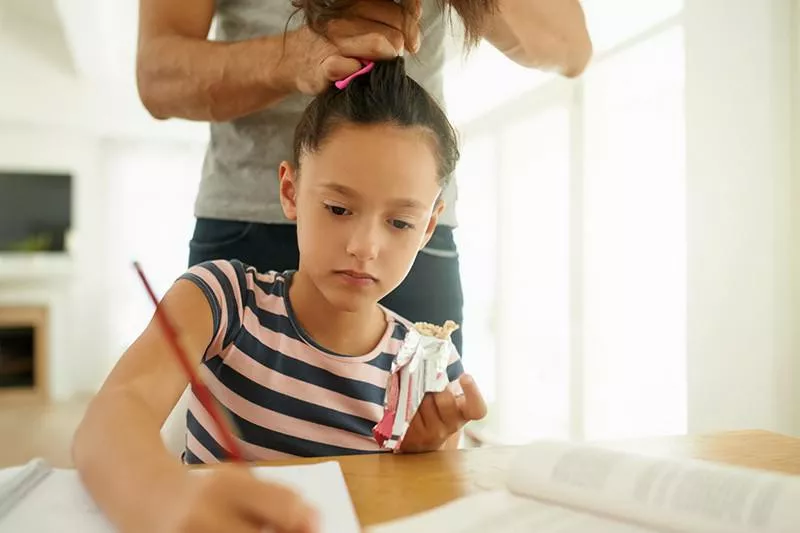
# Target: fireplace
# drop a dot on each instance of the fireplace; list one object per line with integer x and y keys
{"x": 23, "y": 352}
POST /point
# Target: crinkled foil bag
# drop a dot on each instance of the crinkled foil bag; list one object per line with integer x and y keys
{"x": 420, "y": 367}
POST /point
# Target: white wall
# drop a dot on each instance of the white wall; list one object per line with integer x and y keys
{"x": 132, "y": 199}
{"x": 742, "y": 369}
{"x": 81, "y": 312}
{"x": 51, "y": 120}
{"x": 38, "y": 88}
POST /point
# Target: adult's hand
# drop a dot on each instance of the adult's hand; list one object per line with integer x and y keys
{"x": 367, "y": 29}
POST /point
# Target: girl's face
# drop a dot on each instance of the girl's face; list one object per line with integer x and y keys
{"x": 365, "y": 203}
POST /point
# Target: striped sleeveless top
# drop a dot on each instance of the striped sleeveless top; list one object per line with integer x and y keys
{"x": 287, "y": 395}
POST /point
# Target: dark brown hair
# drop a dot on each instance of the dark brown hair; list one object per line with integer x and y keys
{"x": 473, "y": 14}
{"x": 386, "y": 95}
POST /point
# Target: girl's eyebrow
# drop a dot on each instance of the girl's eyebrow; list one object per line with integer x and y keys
{"x": 352, "y": 193}
{"x": 409, "y": 203}
{"x": 341, "y": 189}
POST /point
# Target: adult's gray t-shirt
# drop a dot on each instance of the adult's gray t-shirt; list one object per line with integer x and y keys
{"x": 240, "y": 171}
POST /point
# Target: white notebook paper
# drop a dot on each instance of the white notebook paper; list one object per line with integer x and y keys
{"x": 70, "y": 508}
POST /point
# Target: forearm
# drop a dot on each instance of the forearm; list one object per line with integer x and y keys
{"x": 121, "y": 459}
{"x": 204, "y": 80}
{"x": 544, "y": 34}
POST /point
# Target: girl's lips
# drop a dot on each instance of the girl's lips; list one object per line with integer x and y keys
{"x": 359, "y": 279}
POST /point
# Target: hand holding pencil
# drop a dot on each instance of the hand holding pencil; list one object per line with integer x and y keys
{"x": 225, "y": 498}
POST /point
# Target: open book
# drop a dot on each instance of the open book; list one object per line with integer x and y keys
{"x": 572, "y": 488}
{"x": 39, "y": 499}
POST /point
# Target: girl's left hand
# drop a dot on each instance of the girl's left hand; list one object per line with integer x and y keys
{"x": 441, "y": 415}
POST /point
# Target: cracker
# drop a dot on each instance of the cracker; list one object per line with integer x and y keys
{"x": 432, "y": 330}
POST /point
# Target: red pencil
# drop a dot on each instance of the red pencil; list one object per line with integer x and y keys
{"x": 198, "y": 387}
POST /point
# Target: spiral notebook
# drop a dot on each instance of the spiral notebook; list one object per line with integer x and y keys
{"x": 27, "y": 491}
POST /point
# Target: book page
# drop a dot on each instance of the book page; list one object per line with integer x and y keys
{"x": 685, "y": 495}
{"x": 503, "y": 512}
{"x": 7, "y": 474}
{"x": 70, "y": 508}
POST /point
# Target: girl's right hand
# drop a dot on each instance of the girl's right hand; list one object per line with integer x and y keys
{"x": 229, "y": 499}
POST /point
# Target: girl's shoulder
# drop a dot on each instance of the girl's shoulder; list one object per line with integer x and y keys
{"x": 233, "y": 286}
{"x": 235, "y": 275}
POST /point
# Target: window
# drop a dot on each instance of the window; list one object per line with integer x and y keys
{"x": 635, "y": 241}
{"x": 576, "y": 316}
{"x": 476, "y": 238}
{"x": 152, "y": 192}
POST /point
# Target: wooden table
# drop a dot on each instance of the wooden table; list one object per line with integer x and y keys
{"x": 385, "y": 487}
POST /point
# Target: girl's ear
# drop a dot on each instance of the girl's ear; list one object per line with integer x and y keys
{"x": 287, "y": 175}
{"x": 434, "y": 220}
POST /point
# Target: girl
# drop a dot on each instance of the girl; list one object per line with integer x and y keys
{"x": 300, "y": 360}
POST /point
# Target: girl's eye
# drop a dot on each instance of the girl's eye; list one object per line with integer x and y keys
{"x": 400, "y": 224}
{"x": 337, "y": 210}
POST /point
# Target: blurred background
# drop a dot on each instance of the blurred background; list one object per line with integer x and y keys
{"x": 630, "y": 240}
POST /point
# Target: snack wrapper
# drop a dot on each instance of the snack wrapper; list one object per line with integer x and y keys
{"x": 419, "y": 367}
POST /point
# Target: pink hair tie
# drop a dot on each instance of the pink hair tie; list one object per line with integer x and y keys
{"x": 342, "y": 84}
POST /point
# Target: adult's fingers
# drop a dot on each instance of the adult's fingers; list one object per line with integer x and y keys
{"x": 337, "y": 67}
{"x": 403, "y": 18}
{"x": 365, "y": 39}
